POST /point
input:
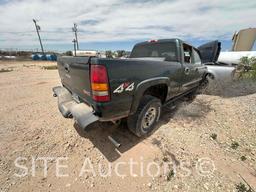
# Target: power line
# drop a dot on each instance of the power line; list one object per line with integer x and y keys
{"x": 38, "y": 28}
{"x": 75, "y": 44}
{"x": 74, "y": 29}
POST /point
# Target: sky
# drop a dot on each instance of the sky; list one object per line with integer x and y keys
{"x": 119, "y": 24}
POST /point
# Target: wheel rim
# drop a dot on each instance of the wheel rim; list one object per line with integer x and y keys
{"x": 149, "y": 118}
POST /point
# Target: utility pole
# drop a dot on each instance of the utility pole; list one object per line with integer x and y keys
{"x": 74, "y": 41}
{"x": 74, "y": 29}
{"x": 37, "y": 30}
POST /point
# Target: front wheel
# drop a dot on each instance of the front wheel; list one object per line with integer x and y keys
{"x": 205, "y": 83}
{"x": 146, "y": 116}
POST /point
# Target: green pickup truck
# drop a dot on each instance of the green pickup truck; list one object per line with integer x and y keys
{"x": 157, "y": 72}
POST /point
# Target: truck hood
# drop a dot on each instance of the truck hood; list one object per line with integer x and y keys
{"x": 210, "y": 51}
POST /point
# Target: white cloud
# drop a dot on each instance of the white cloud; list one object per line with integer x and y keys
{"x": 116, "y": 20}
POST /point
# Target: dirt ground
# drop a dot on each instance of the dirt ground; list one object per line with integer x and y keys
{"x": 205, "y": 145}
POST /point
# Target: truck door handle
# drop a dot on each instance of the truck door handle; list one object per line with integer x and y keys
{"x": 66, "y": 67}
{"x": 186, "y": 70}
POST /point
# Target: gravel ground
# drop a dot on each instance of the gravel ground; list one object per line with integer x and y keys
{"x": 205, "y": 145}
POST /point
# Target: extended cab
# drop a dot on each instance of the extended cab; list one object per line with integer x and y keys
{"x": 156, "y": 73}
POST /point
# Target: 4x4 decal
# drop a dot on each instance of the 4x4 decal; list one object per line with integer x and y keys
{"x": 124, "y": 87}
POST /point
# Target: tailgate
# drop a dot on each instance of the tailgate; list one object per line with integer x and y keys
{"x": 74, "y": 74}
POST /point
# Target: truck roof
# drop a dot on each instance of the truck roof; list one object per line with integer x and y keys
{"x": 162, "y": 41}
{"x": 157, "y": 41}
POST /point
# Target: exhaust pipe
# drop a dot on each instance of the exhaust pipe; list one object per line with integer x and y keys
{"x": 115, "y": 143}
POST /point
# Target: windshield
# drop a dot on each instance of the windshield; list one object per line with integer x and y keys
{"x": 166, "y": 50}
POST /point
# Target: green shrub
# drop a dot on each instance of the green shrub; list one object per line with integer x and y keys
{"x": 5, "y": 70}
{"x": 234, "y": 145}
{"x": 243, "y": 188}
{"x": 243, "y": 158}
{"x": 247, "y": 68}
{"x": 214, "y": 136}
{"x": 51, "y": 67}
{"x": 170, "y": 175}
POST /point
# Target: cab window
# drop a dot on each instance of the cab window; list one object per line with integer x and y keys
{"x": 187, "y": 50}
{"x": 167, "y": 50}
{"x": 196, "y": 57}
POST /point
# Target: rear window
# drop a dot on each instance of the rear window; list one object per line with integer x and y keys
{"x": 164, "y": 50}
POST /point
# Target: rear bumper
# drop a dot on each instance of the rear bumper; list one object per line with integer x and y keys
{"x": 82, "y": 113}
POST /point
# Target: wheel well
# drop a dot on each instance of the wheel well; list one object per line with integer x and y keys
{"x": 209, "y": 75}
{"x": 159, "y": 91}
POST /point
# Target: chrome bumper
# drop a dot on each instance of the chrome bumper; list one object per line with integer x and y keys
{"x": 82, "y": 113}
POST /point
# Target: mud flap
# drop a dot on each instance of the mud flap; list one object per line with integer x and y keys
{"x": 82, "y": 113}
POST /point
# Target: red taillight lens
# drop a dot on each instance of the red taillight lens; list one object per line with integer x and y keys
{"x": 152, "y": 41}
{"x": 99, "y": 83}
{"x": 99, "y": 74}
{"x": 105, "y": 98}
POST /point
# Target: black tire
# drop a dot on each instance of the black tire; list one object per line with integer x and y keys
{"x": 204, "y": 84}
{"x": 147, "y": 115}
{"x": 191, "y": 96}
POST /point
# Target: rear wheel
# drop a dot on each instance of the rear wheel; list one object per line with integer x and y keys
{"x": 146, "y": 116}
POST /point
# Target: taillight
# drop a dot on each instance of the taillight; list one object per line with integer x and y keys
{"x": 99, "y": 83}
{"x": 152, "y": 41}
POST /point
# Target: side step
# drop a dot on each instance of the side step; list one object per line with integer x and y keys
{"x": 180, "y": 96}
